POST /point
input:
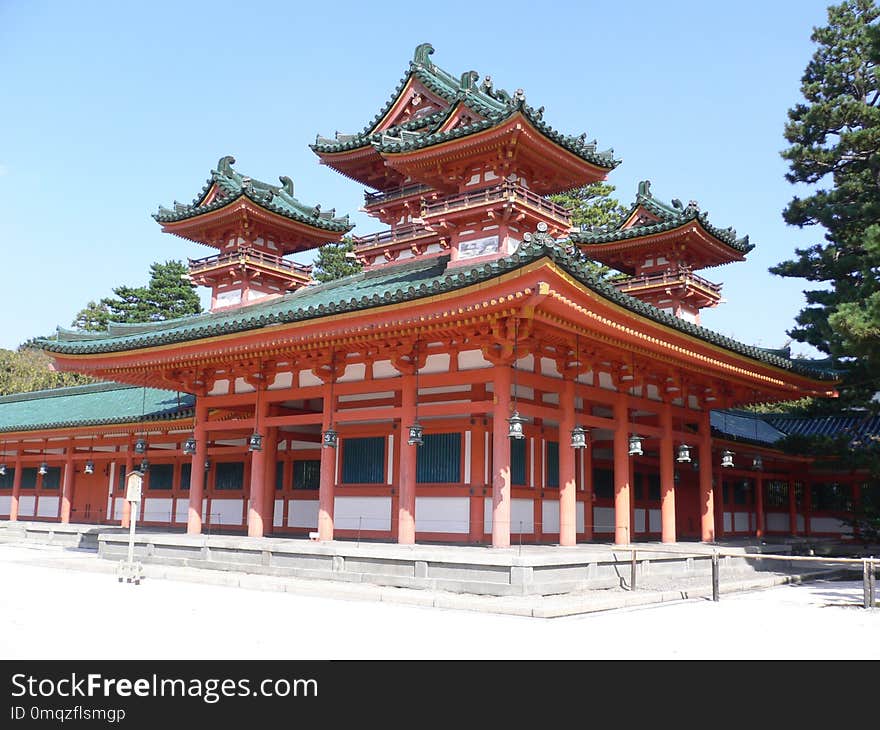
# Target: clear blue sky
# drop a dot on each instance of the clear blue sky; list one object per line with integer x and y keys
{"x": 110, "y": 109}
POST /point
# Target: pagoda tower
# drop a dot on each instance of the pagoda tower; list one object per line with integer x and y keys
{"x": 459, "y": 168}
{"x": 254, "y": 226}
{"x": 658, "y": 246}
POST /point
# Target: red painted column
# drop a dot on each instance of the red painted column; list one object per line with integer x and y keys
{"x": 707, "y": 504}
{"x": 501, "y": 459}
{"x": 588, "y": 491}
{"x": 406, "y": 511}
{"x": 269, "y": 493}
{"x": 197, "y": 472}
{"x": 667, "y": 476}
{"x": 67, "y": 487}
{"x": 622, "y": 524}
{"x": 567, "y": 480}
{"x": 759, "y": 506}
{"x": 256, "y": 501}
{"x": 792, "y": 509}
{"x": 126, "y": 505}
{"x": 478, "y": 484}
{"x": 16, "y": 491}
{"x": 326, "y": 496}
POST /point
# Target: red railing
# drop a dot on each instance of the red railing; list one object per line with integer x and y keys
{"x": 681, "y": 276}
{"x": 507, "y": 190}
{"x": 386, "y": 195}
{"x": 393, "y": 235}
{"x": 248, "y": 256}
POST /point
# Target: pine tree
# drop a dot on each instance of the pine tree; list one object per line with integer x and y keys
{"x": 591, "y": 205}
{"x": 336, "y": 260}
{"x": 835, "y": 147}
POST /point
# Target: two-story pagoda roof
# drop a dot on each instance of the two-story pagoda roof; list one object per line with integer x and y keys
{"x": 229, "y": 197}
{"x": 431, "y": 109}
{"x": 652, "y": 224}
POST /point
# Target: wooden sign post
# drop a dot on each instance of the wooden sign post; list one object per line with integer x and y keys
{"x": 129, "y": 570}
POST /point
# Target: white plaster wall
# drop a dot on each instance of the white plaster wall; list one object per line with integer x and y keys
{"x": 740, "y": 521}
{"x": 472, "y": 360}
{"x": 579, "y": 516}
{"x": 353, "y": 372}
{"x": 603, "y": 519}
{"x": 727, "y": 518}
{"x": 221, "y": 387}
{"x": 829, "y": 524}
{"x": 443, "y": 514}
{"x": 242, "y": 386}
{"x": 303, "y": 513}
{"x": 777, "y": 522}
{"x": 365, "y": 513}
{"x": 521, "y": 511}
{"x": 549, "y": 515}
{"x": 307, "y": 378}
{"x": 181, "y": 510}
{"x": 5, "y": 504}
{"x": 226, "y": 511}
{"x": 47, "y": 506}
{"x": 26, "y": 505}
{"x": 117, "y": 508}
{"x": 158, "y": 509}
{"x": 436, "y": 364}
{"x": 384, "y": 369}
{"x": 278, "y": 513}
{"x": 801, "y": 525}
{"x": 655, "y": 523}
{"x": 282, "y": 381}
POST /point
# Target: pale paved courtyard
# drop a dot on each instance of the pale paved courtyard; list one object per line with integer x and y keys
{"x": 60, "y": 613}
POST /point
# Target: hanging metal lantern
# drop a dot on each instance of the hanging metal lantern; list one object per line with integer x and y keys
{"x": 189, "y": 446}
{"x": 415, "y": 434}
{"x": 635, "y": 445}
{"x": 140, "y": 446}
{"x": 207, "y": 464}
{"x": 578, "y": 437}
{"x": 515, "y": 430}
{"x": 758, "y": 463}
{"x": 44, "y": 468}
{"x": 2, "y": 470}
{"x": 144, "y": 466}
{"x": 684, "y": 454}
{"x": 255, "y": 442}
{"x": 726, "y": 458}
{"x": 329, "y": 439}
{"x": 89, "y": 467}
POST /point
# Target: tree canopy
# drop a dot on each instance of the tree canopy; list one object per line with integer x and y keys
{"x": 834, "y": 137}
{"x": 168, "y": 295}
{"x": 591, "y": 205}
{"x": 336, "y": 260}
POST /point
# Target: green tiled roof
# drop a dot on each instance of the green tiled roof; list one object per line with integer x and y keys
{"x": 495, "y": 105}
{"x": 672, "y": 215}
{"x": 91, "y": 405}
{"x": 399, "y": 284}
{"x": 277, "y": 199}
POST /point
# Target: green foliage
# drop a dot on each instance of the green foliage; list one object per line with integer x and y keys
{"x": 168, "y": 295}
{"x": 835, "y": 148}
{"x": 591, "y": 205}
{"x": 26, "y": 369}
{"x": 336, "y": 260}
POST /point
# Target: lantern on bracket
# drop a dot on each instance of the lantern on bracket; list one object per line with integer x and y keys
{"x": 684, "y": 454}
{"x": 44, "y": 468}
{"x": 758, "y": 463}
{"x": 516, "y": 421}
{"x": 330, "y": 437}
{"x": 189, "y": 446}
{"x": 416, "y": 430}
{"x": 727, "y": 458}
{"x": 635, "y": 445}
{"x": 578, "y": 437}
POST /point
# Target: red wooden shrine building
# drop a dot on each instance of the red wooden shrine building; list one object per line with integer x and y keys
{"x": 476, "y": 381}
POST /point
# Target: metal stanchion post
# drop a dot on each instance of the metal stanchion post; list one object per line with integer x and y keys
{"x": 632, "y": 572}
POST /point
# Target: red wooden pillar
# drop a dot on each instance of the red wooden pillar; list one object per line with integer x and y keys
{"x": 567, "y": 482}
{"x": 478, "y": 483}
{"x": 759, "y": 505}
{"x": 707, "y": 505}
{"x": 125, "y": 520}
{"x": 257, "y": 497}
{"x": 197, "y": 471}
{"x": 269, "y": 493}
{"x": 622, "y": 523}
{"x": 667, "y": 476}
{"x": 326, "y": 493}
{"x": 67, "y": 487}
{"x": 406, "y": 511}
{"x": 501, "y": 459}
{"x": 588, "y": 490}
{"x": 16, "y": 491}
